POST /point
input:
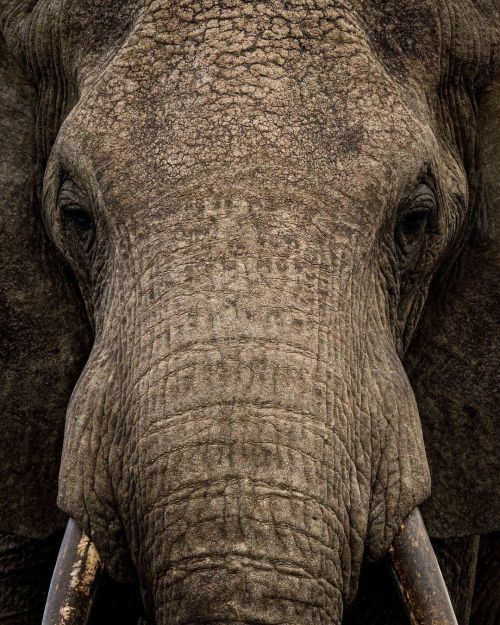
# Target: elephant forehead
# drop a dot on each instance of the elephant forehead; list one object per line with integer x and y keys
{"x": 253, "y": 58}
{"x": 396, "y": 27}
{"x": 295, "y": 90}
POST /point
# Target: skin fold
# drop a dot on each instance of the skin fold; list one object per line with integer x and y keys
{"x": 252, "y": 213}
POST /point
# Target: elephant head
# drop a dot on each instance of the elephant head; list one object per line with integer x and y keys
{"x": 258, "y": 203}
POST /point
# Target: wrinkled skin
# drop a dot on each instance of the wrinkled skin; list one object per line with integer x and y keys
{"x": 255, "y": 201}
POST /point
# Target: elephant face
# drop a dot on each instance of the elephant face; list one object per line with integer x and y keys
{"x": 254, "y": 200}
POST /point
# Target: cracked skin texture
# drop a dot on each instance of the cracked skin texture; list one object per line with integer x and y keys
{"x": 244, "y": 432}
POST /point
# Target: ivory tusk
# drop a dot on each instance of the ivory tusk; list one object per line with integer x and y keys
{"x": 418, "y": 575}
{"x": 74, "y": 581}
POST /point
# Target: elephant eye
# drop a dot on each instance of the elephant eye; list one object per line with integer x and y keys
{"x": 412, "y": 226}
{"x": 415, "y": 221}
{"x": 78, "y": 223}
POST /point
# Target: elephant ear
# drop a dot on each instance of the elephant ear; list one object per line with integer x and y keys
{"x": 454, "y": 361}
{"x": 43, "y": 336}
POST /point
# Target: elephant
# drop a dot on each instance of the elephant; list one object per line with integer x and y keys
{"x": 249, "y": 303}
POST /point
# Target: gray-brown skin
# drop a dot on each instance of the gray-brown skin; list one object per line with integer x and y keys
{"x": 244, "y": 433}
{"x": 44, "y": 341}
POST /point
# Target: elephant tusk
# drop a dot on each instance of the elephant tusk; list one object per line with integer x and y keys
{"x": 74, "y": 581}
{"x": 418, "y": 575}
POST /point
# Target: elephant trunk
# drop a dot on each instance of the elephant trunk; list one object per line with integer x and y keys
{"x": 243, "y": 418}
{"x": 245, "y": 494}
